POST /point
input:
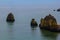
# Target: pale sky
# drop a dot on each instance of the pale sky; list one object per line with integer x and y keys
{"x": 30, "y": 3}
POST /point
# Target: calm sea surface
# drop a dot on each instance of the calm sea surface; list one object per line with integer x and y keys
{"x": 21, "y": 29}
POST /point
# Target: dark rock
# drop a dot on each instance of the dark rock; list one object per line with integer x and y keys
{"x": 10, "y": 18}
{"x": 33, "y": 23}
{"x": 58, "y": 10}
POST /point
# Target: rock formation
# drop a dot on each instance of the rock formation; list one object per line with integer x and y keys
{"x": 58, "y": 10}
{"x": 10, "y": 18}
{"x": 33, "y": 23}
{"x": 49, "y": 23}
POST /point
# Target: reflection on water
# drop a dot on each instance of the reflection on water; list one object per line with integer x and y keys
{"x": 33, "y": 31}
{"x": 35, "y": 34}
{"x": 10, "y": 31}
{"x": 33, "y": 28}
{"x": 10, "y": 23}
{"x": 48, "y": 35}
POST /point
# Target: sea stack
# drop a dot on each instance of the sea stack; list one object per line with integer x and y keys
{"x": 33, "y": 23}
{"x": 49, "y": 23}
{"x": 10, "y": 18}
{"x": 58, "y": 10}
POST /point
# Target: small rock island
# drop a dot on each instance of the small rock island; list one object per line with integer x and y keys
{"x": 58, "y": 10}
{"x": 10, "y": 18}
{"x": 49, "y": 23}
{"x": 33, "y": 23}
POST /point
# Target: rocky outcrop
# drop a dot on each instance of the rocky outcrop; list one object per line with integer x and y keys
{"x": 49, "y": 23}
{"x": 33, "y": 23}
{"x": 58, "y": 10}
{"x": 10, "y": 18}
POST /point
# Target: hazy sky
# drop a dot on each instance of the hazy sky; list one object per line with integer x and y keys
{"x": 30, "y": 3}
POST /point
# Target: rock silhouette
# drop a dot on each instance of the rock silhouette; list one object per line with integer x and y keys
{"x": 58, "y": 10}
{"x": 10, "y": 18}
{"x": 33, "y": 23}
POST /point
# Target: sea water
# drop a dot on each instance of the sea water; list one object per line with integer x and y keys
{"x": 21, "y": 29}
